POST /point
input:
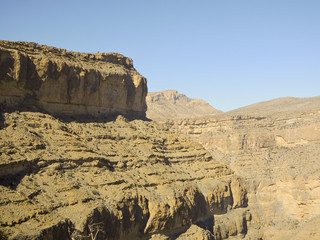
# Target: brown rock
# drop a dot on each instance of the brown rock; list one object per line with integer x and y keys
{"x": 172, "y": 105}
{"x": 116, "y": 180}
{"x": 274, "y": 146}
{"x": 62, "y": 82}
{"x": 196, "y": 233}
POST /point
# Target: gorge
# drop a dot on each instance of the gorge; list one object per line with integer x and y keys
{"x": 79, "y": 160}
{"x": 274, "y": 147}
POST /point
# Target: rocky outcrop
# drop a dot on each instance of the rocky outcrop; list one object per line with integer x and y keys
{"x": 278, "y": 156}
{"x": 173, "y": 105}
{"x": 238, "y": 133}
{"x": 61, "y": 82}
{"x": 111, "y": 180}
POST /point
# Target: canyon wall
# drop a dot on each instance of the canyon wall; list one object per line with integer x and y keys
{"x": 38, "y": 77}
{"x": 277, "y": 153}
{"x": 115, "y": 178}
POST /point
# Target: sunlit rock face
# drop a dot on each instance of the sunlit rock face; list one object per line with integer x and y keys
{"x": 118, "y": 179}
{"x": 274, "y": 146}
{"x": 63, "y": 82}
{"x": 93, "y": 177}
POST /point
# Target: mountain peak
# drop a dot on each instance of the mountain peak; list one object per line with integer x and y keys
{"x": 170, "y": 104}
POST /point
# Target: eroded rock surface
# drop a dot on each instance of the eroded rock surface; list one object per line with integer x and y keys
{"x": 278, "y": 153}
{"x": 57, "y": 81}
{"x": 111, "y": 180}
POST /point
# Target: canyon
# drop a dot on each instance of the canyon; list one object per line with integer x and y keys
{"x": 79, "y": 159}
{"x": 87, "y": 153}
{"x": 274, "y": 147}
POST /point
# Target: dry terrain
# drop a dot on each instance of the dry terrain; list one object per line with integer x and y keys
{"x": 173, "y": 105}
{"x": 71, "y": 167}
{"x": 275, "y": 147}
{"x": 38, "y": 77}
{"x": 123, "y": 179}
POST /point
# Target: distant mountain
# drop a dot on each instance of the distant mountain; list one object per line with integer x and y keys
{"x": 172, "y": 105}
{"x": 279, "y": 105}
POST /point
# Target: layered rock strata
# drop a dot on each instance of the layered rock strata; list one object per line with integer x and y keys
{"x": 113, "y": 180}
{"x": 61, "y": 82}
{"x": 278, "y": 155}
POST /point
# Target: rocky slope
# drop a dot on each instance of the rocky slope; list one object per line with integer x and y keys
{"x": 278, "y": 155}
{"x": 64, "y": 82}
{"x": 173, "y": 105}
{"x": 82, "y": 173}
{"x": 119, "y": 179}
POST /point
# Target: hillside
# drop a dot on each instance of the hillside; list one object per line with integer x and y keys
{"x": 73, "y": 167}
{"x": 274, "y": 146}
{"x": 279, "y": 105}
{"x": 173, "y": 105}
{"x": 123, "y": 179}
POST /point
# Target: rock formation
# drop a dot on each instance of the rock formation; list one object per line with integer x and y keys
{"x": 277, "y": 153}
{"x": 172, "y": 105}
{"x": 119, "y": 179}
{"x": 102, "y": 177}
{"x": 64, "y": 82}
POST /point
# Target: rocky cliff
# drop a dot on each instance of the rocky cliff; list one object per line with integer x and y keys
{"x": 173, "y": 105}
{"x": 277, "y": 153}
{"x": 115, "y": 180}
{"x": 100, "y": 177}
{"x": 57, "y": 81}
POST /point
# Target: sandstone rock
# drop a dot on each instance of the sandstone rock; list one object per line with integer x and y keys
{"x": 115, "y": 180}
{"x": 236, "y": 225}
{"x": 172, "y": 105}
{"x": 277, "y": 153}
{"x": 61, "y": 82}
{"x": 196, "y": 233}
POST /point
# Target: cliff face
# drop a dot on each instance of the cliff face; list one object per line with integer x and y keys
{"x": 102, "y": 179}
{"x": 64, "y": 82}
{"x": 114, "y": 180}
{"x": 173, "y": 105}
{"x": 240, "y": 133}
{"x": 277, "y": 153}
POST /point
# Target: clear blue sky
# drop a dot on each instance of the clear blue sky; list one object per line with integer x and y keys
{"x": 230, "y": 53}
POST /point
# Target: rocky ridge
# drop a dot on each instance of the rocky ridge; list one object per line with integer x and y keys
{"x": 277, "y": 153}
{"x": 71, "y": 169}
{"x": 279, "y": 105}
{"x": 173, "y": 105}
{"x": 119, "y": 179}
{"x": 70, "y": 83}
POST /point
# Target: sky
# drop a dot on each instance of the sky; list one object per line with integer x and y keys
{"x": 231, "y": 53}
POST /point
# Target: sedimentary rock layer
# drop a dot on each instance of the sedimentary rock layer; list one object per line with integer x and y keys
{"x": 117, "y": 180}
{"x": 66, "y": 83}
{"x": 278, "y": 155}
